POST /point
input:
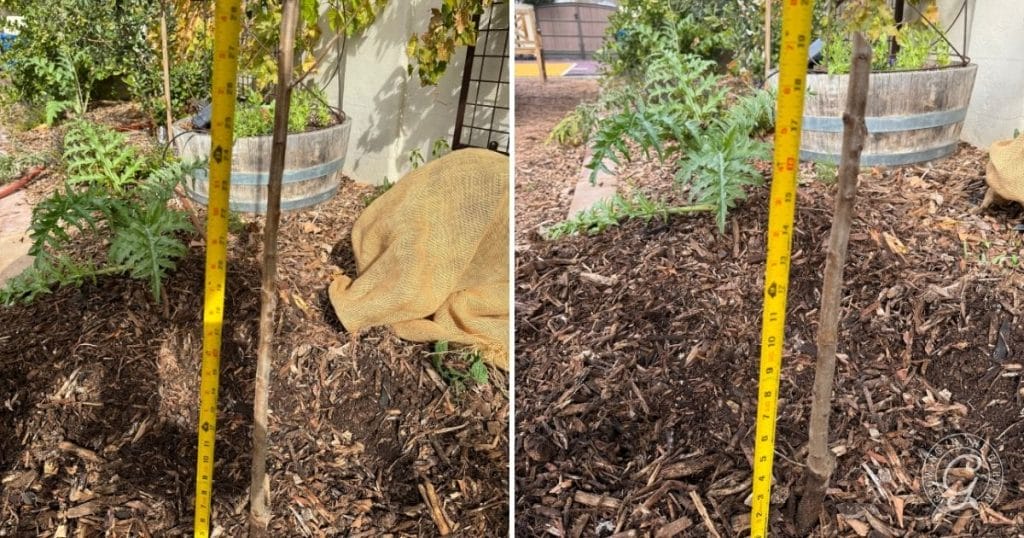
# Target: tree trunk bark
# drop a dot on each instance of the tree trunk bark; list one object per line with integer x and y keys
{"x": 820, "y": 462}
{"x": 259, "y": 494}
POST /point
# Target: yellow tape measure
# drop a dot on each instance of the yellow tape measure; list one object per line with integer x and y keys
{"x": 796, "y": 30}
{"x": 226, "y": 28}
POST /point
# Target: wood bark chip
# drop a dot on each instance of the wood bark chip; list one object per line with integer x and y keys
{"x": 820, "y": 461}
{"x": 260, "y": 487}
{"x": 430, "y": 497}
{"x": 590, "y": 499}
{"x": 675, "y": 528}
{"x": 704, "y": 514}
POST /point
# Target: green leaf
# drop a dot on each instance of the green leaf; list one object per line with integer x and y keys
{"x": 148, "y": 247}
{"x": 478, "y": 371}
{"x": 310, "y": 10}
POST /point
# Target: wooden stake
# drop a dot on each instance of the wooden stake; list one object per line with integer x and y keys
{"x": 820, "y": 462}
{"x": 767, "y": 37}
{"x": 192, "y": 214}
{"x": 260, "y": 488}
{"x": 539, "y": 51}
{"x": 167, "y": 71}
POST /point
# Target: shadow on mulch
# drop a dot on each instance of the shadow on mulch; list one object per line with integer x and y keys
{"x": 108, "y": 376}
{"x": 636, "y": 389}
{"x": 99, "y": 394}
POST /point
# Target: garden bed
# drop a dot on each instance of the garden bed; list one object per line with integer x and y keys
{"x": 637, "y": 353}
{"x": 545, "y": 173}
{"x": 100, "y": 391}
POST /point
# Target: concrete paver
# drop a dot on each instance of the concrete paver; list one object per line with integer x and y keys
{"x": 15, "y": 218}
{"x": 587, "y": 194}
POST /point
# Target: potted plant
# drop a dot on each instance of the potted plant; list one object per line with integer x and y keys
{"x": 318, "y": 134}
{"x": 920, "y": 86}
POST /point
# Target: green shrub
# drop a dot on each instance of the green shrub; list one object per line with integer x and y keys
{"x": 308, "y": 110}
{"x": 191, "y": 80}
{"x": 920, "y": 45}
{"x": 728, "y": 32}
{"x": 112, "y": 197}
{"x": 678, "y": 109}
{"x": 575, "y": 128}
{"x": 104, "y": 39}
{"x": 13, "y": 166}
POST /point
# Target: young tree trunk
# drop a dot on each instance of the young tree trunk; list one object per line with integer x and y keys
{"x": 259, "y": 493}
{"x": 820, "y": 462}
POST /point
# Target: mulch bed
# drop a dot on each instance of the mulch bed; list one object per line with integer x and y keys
{"x": 546, "y": 174}
{"x": 99, "y": 393}
{"x": 637, "y": 360}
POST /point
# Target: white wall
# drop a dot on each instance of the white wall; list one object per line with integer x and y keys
{"x": 995, "y": 41}
{"x": 391, "y": 112}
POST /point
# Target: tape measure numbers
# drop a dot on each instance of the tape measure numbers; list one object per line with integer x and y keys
{"x": 226, "y": 28}
{"x": 796, "y": 30}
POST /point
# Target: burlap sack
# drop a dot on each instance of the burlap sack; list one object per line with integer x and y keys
{"x": 1005, "y": 172}
{"x": 432, "y": 256}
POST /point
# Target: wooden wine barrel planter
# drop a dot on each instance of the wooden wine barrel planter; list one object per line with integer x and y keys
{"x": 312, "y": 168}
{"x": 912, "y": 116}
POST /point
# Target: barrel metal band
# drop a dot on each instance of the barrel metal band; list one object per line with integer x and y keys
{"x": 889, "y": 124}
{"x": 884, "y": 159}
{"x": 261, "y": 206}
{"x": 290, "y": 176}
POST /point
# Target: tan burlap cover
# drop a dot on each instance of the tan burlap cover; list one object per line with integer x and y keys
{"x": 1005, "y": 174}
{"x": 432, "y": 256}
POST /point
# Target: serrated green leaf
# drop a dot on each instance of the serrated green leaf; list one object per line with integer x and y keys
{"x": 478, "y": 371}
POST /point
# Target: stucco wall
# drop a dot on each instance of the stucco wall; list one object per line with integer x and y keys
{"x": 995, "y": 41}
{"x": 391, "y": 113}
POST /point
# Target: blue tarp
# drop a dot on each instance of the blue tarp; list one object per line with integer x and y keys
{"x": 6, "y": 40}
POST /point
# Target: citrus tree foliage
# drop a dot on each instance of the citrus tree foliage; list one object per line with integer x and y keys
{"x": 105, "y": 39}
{"x": 261, "y": 37}
{"x": 920, "y": 45}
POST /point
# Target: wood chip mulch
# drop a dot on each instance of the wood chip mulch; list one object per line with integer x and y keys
{"x": 637, "y": 360}
{"x": 99, "y": 391}
{"x": 546, "y": 174}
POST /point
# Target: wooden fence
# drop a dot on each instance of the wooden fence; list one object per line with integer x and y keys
{"x": 572, "y": 29}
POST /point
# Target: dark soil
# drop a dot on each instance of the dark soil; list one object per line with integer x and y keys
{"x": 637, "y": 357}
{"x": 99, "y": 393}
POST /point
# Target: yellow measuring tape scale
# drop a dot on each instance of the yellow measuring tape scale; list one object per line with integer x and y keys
{"x": 796, "y": 30}
{"x": 226, "y": 28}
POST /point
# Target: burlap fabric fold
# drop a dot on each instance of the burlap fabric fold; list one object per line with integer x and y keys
{"x": 1005, "y": 172}
{"x": 432, "y": 256}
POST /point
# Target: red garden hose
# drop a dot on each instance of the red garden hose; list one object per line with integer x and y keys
{"x": 29, "y": 175}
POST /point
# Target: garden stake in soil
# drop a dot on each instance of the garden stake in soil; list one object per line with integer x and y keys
{"x": 796, "y": 30}
{"x": 225, "y": 70}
